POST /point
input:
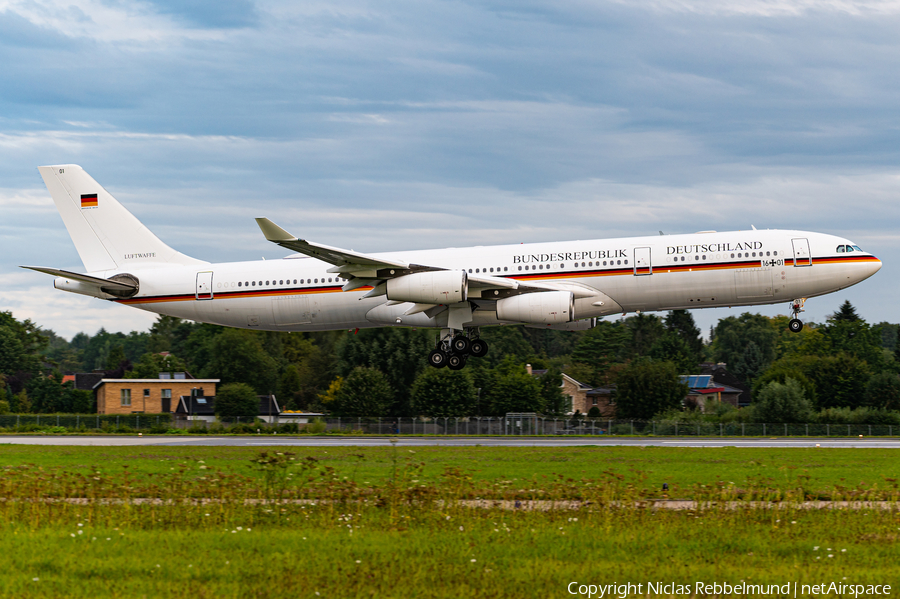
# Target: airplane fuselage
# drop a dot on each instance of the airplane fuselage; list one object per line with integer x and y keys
{"x": 700, "y": 270}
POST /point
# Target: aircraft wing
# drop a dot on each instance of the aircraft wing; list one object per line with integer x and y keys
{"x": 363, "y": 270}
{"x": 346, "y": 260}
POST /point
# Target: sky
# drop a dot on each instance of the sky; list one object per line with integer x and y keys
{"x": 398, "y": 124}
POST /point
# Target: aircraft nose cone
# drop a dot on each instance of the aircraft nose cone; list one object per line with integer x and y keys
{"x": 871, "y": 267}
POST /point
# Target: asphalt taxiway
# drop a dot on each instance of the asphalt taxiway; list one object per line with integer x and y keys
{"x": 439, "y": 441}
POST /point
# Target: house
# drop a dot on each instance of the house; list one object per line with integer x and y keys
{"x": 702, "y": 387}
{"x": 722, "y": 377}
{"x": 147, "y": 396}
{"x": 201, "y": 407}
{"x": 583, "y": 397}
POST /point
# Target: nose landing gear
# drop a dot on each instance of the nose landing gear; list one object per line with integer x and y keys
{"x": 453, "y": 350}
{"x": 796, "y": 325}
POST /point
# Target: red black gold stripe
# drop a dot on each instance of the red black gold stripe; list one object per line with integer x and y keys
{"x": 568, "y": 274}
{"x": 89, "y": 200}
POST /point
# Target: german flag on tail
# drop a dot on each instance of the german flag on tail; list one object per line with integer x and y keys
{"x": 89, "y": 200}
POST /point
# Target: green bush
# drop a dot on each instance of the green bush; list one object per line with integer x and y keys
{"x": 316, "y": 427}
{"x": 197, "y": 429}
{"x": 782, "y": 402}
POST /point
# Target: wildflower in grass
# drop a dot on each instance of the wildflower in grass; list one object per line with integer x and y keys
{"x": 830, "y": 555}
{"x": 843, "y": 551}
{"x": 358, "y": 561}
{"x": 816, "y": 548}
{"x": 80, "y": 524}
{"x": 35, "y": 579}
{"x": 473, "y": 560}
{"x": 461, "y": 528}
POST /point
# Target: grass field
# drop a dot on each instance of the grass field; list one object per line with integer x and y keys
{"x": 818, "y": 470}
{"x": 232, "y": 522}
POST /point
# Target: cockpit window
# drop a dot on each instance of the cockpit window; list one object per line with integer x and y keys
{"x": 841, "y": 249}
{"x": 856, "y": 248}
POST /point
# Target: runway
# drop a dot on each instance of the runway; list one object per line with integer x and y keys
{"x": 340, "y": 441}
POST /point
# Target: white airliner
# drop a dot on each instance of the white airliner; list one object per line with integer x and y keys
{"x": 561, "y": 285}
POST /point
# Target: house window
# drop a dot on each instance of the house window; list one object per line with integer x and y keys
{"x": 146, "y": 392}
{"x": 593, "y": 401}
{"x": 125, "y": 396}
{"x": 166, "y": 394}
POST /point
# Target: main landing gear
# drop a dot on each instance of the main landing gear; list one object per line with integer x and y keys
{"x": 796, "y": 325}
{"x": 453, "y": 350}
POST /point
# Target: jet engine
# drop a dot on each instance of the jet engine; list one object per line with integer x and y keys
{"x": 432, "y": 287}
{"x": 543, "y": 307}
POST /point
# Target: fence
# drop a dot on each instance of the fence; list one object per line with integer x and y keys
{"x": 86, "y": 422}
{"x": 517, "y": 425}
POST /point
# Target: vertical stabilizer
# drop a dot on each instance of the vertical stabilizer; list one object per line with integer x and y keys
{"x": 106, "y": 235}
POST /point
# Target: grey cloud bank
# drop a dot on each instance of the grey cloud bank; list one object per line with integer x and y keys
{"x": 383, "y": 126}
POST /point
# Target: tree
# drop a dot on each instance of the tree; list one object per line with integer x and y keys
{"x": 750, "y": 364}
{"x": 789, "y": 368}
{"x": 508, "y": 388}
{"x": 847, "y": 333}
{"x": 645, "y": 388}
{"x": 399, "y": 353}
{"x": 555, "y": 402}
{"x": 506, "y": 341}
{"x": 441, "y": 392}
{"x": 152, "y": 364}
{"x": 681, "y": 322}
{"x": 645, "y": 329}
{"x": 598, "y": 349}
{"x": 846, "y": 313}
{"x": 673, "y": 348}
{"x": 237, "y": 400}
{"x": 237, "y": 356}
{"x": 840, "y": 380}
{"x": 733, "y": 334}
{"x": 365, "y": 392}
{"x": 883, "y": 391}
{"x": 782, "y": 402}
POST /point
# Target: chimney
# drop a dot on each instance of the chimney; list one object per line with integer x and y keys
{"x": 528, "y": 369}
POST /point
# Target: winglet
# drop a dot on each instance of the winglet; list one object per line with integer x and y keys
{"x": 273, "y": 232}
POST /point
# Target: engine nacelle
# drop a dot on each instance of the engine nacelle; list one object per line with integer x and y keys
{"x": 433, "y": 287}
{"x": 542, "y": 307}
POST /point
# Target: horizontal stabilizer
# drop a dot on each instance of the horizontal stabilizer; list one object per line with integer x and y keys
{"x": 104, "y": 283}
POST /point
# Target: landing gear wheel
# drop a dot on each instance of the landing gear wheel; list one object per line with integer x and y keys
{"x": 460, "y": 344}
{"x": 796, "y": 325}
{"x": 438, "y": 358}
{"x": 456, "y": 362}
{"x": 478, "y": 348}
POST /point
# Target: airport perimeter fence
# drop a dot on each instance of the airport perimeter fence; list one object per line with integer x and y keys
{"x": 518, "y": 425}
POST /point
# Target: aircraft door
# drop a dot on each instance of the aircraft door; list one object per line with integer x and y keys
{"x": 204, "y": 285}
{"x": 802, "y": 255}
{"x": 642, "y": 264}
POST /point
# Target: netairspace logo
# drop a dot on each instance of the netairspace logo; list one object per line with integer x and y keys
{"x": 791, "y": 589}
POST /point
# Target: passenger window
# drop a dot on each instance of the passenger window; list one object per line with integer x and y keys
{"x": 505, "y": 269}
{"x": 704, "y": 257}
{"x": 254, "y": 283}
{"x": 541, "y": 267}
{"x": 774, "y": 253}
{"x": 492, "y": 270}
{"x": 239, "y": 283}
{"x": 520, "y": 268}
